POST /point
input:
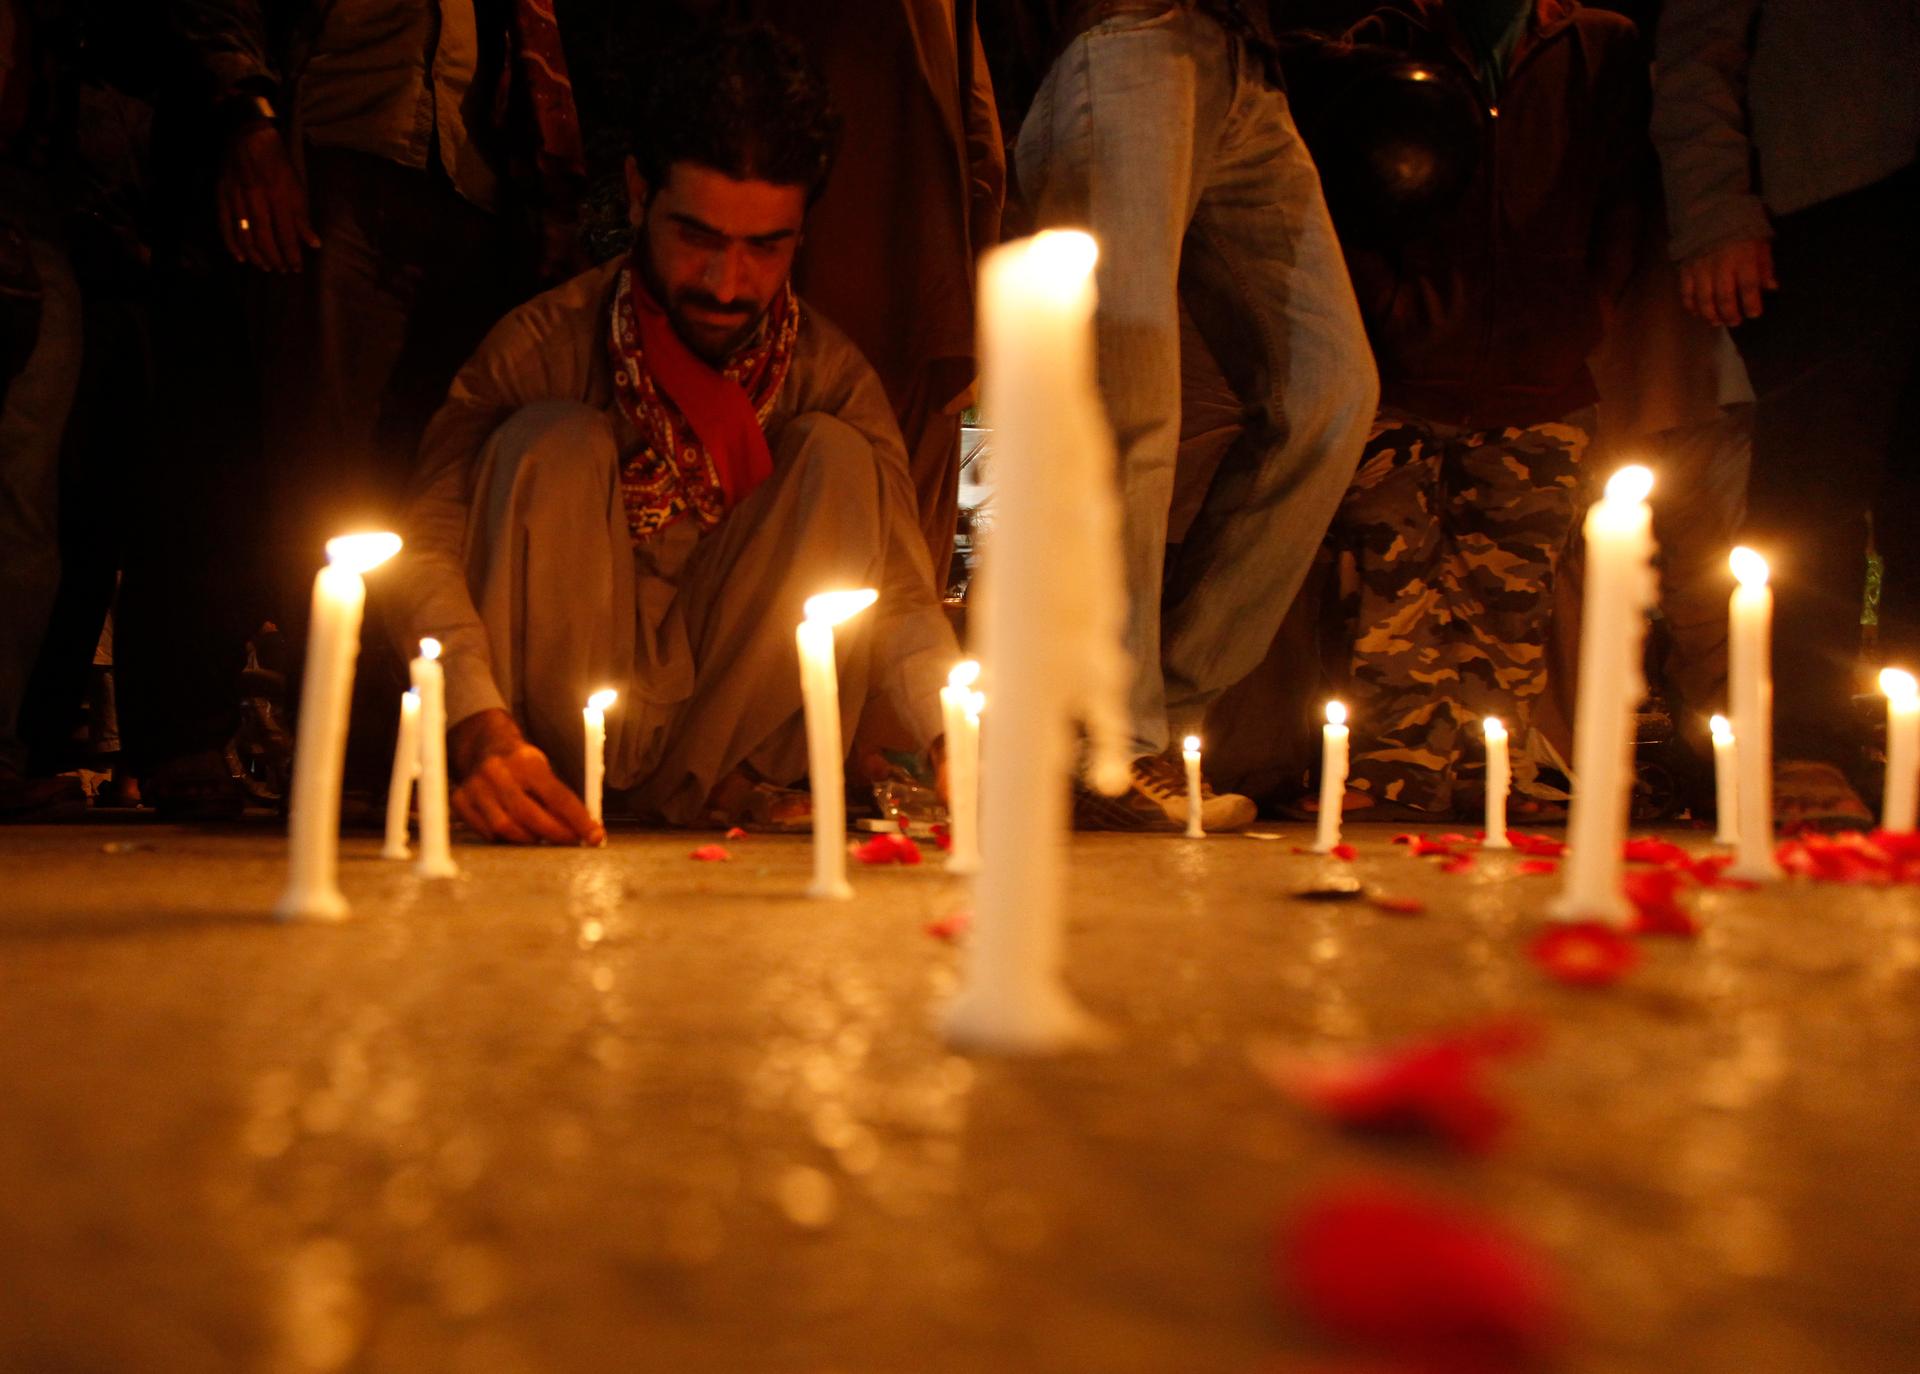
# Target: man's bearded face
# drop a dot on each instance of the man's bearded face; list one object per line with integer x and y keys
{"x": 715, "y": 251}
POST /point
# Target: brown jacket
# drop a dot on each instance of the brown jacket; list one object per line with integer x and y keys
{"x": 1486, "y": 318}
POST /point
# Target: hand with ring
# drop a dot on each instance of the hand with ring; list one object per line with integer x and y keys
{"x": 261, "y": 203}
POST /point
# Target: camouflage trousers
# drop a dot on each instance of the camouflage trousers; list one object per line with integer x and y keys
{"x": 1453, "y": 536}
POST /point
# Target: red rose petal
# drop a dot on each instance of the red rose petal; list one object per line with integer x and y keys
{"x": 1345, "y": 851}
{"x": 736, "y": 834}
{"x": 1397, "y": 906}
{"x": 950, "y": 928}
{"x": 1646, "y": 849}
{"x": 1459, "y": 863}
{"x": 1401, "y": 1274}
{"x": 943, "y": 838}
{"x": 1540, "y": 846}
{"x": 1657, "y": 909}
{"x": 1432, "y": 1087}
{"x": 887, "y": 849}
{"x": 1537, "y": 867}
{"x": 1422, "y": 846}
{"x": 711, "y": 854}
{"x": 1407, "y": 838}
{"x": 1584, "y": 953}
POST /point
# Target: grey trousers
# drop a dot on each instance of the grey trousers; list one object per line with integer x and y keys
{"x": 695, "y": 632}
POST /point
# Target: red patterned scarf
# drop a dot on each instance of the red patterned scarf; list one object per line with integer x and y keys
{"x": 536, "y": 82}
{"x": 703, "y": 446}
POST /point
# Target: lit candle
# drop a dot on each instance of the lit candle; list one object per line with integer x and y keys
{"x": 1750, "y": 685}
{"x": 1499, "y": 781}
{"x": 1190, "y": 751}
{"x": 436, "y": 826}
{"x": 406, "y": 767}
{"x": 333, "y": 647}
{"x": 1333, "y": 776}
{"x": 1726, "y": 782}
{"x": 1051, "y": 614}
{"x": 826, "y": 756}
{"x": 595, "y": 716}
{"x": 960, "y": 710}
{"x": 1903, "y": 750}
{"x": 1621, "y": 588}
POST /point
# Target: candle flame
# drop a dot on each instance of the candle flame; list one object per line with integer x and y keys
{"x": 414, "y": 693}
{"x": 361, "y": 553}
{"x": 1722, "y": 730}
{"x": 1191, "y": 744}
{"x": 1630, "y": 486}
{"x": 976, "y": 703}
{"x": 602, "y": 699}
{"x": 1899, "y": 685}
{"x": 964, "y": 675}
{"x": 1062, "y": 254}
{"x": 831, "y": 608}
{"x": 1494, "y": 728}
{"x": 1749, "y": 568}
{"x": 1336, "y": 713}
{"x": 429, "y": 648}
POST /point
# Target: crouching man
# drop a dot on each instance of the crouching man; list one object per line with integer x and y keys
{"x": 643, "y": 474}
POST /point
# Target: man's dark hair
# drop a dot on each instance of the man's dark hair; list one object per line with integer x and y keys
{"x": 742, "y": 100}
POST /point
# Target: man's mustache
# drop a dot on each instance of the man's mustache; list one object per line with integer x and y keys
{"x": 700, "y": 301}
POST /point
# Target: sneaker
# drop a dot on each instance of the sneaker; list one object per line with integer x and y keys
{"x": 1157, "y": 801}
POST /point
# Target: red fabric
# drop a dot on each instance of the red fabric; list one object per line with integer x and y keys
{"x": 540, "y": 63}
{"x": 703, "y": 448}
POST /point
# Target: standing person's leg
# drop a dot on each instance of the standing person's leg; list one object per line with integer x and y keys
{"x": 1698, "y": 503}
{"x": 33, "y": 417}
{"x": 1264, "y": 268}
{"x": 1114, "y": 144}
{"x": 1511, "y": 496}
{"x": 1403, "y": 678}
{"x": 1831, "y": 361}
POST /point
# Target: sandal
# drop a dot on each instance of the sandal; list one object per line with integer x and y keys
{"x": 1809, "y": 795}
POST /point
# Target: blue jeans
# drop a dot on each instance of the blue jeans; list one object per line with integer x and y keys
{"x": 1160, "y": 134}
{"x": 33, "y": 417}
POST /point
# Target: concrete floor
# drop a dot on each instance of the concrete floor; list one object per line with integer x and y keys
{"x": 615, "y": 1110}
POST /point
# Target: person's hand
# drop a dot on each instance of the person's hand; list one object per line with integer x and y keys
{"x": 508, "y": 790}
{"x": 260, "y": 202}
{"x": 1723, "y": 285}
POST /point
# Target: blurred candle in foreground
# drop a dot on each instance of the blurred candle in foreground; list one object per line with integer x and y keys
{"x": 826, "y": 755}
{"x": 595, "y": 717}
{"x": 436, "y": 825}
{"x": 406, "y": 767}
{"x": 1903, "y": 750}
{"x": 1621, "y": 589}
{"x": 1726, "y": 782}
{"x": 1333, "y": 777}
{"x": 333, "y": 647}
{"x": 960, "y": 714}
{"x": 1499, "y": 781}
{"x": 1051, "y": 622}
{"x": 1750, "y": 687}
{"x": 1190, "y": 754}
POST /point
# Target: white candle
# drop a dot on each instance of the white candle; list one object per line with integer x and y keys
{"x": 1726, "y": 782}
{"x": 1903, "y": 750}
{"x": 406, "y": 767}
{"x": 1333, "y": 777}
{"x": 826, "y": 756}
{"x": 1750, "y": 685}
{"x": 1620, "y": 590}
{"x": 436, "y": 825}
{"x": 333, "y": 647}
{"x": 595, "y": 716}
{"x": 960, "y": 710}
{"x": 1051, "y": 615}
{"x": 1190, "y": 752}
{"x": 1499, "y": 782}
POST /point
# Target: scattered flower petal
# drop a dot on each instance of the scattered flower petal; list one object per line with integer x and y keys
{"x": 1434, "y": 1087}
{"x": 1646, "y": 849}
{"x": 1851, "y": 857}
{"x": 711, "y": 854}
{"x": 886, "y": 849}
{"x": 1656, "y": 903}
{"x": 1540, "y": 846}
{"x": 1424, "y": 1281}
{"x": 1407, "y": 838}
{"x": 943, "y": 838}
{"x": 1422, "y": 846}
{"x": 950, "y": 928}
{"x": 1397, "y": 906}
{"x": 1345, "y": 851}
{"x": 1537, "y": 867}
{"x": 1584, "y": 953}
{"x": 1459, "y": 863}
{"x": 736, "y": 834}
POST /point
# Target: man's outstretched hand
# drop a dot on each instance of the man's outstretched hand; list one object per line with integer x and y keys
{"x": 507, "y": 789}
{"x": 1724, "y": 284}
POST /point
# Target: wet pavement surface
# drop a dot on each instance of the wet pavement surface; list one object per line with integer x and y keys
{"x": 617, "y": 1110}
